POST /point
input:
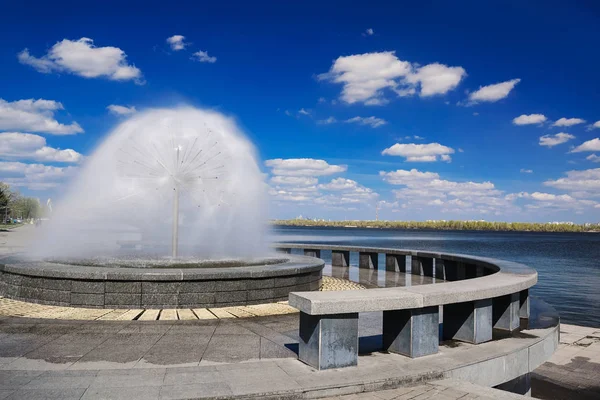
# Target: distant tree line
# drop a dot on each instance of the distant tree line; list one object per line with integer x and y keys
{"x": 15, "y": 206}
{"x": 449, "y": 225}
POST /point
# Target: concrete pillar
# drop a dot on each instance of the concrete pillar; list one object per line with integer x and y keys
{"x": 368, "y": 260}
{"x": 416, "y": 266}
{"x": 312, "y": 253}
{"x": 440, "y": 269}
{"x": 427, "y": 266}
{"x": 340, "y": 258}
{"x": 413, "y": 333}
{"x": 505, "y": 312}
{"x": 469, "y": 322}
{"x": 395, "y": 262}
{"x": 455, "y": 271}
{"x": 524, "y": 303}
{"x": 283, "y": 250}
{"x": 328, "y": 341}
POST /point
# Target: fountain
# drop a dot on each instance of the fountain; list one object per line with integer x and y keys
{"x": 169, "y": 211}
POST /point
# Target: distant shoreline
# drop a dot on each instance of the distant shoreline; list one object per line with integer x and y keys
{"x": 484, "y": 226}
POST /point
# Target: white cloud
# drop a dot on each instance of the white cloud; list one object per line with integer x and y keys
{"x": 365, "y": 77}
{"x": 436, "y": 79}
{"x": 526, "y": 171}
{"x": 294, "y": 180}
{"x": 578, "y": 180}
{"x": 369, "y": 32}
{"x": 426, "y": 188}
{"x": 303, "y": 112}
{"x": 176, "y": 42}
{"x": 568, "y": 122}
{"x": 595, "y": 125}
{"x": 303, "y": 167}
{"x": 203, "y": 57}
{"x": 81, "y": 57}
{"x": 495, "y": 92}
{"x": 347, "y": 191}
{"x": 34, "y": 176}
{"x": 590, "y": 145}
{"x": 373, "y": 122}
{"x": 553, "y": 140}
{"x": 593, "y": 158}
{"x": 330, "y": 120}
{"x": 530, "y": 119}
{"x": 121, "y": 110}
{"x": 33, "y": 147}
{"x": 34, "y": 116}
{"x": 550, "y": 200}
{"x": 407, "y": 177}
{"x": 420, "y": 152}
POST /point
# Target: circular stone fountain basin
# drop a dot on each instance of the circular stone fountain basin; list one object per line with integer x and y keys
{"x": 147, "y": 283}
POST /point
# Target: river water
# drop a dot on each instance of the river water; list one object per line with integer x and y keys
{"x": 568, "y": 264}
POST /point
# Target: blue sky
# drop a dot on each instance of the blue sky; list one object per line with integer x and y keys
{"x": 323, "y": 89}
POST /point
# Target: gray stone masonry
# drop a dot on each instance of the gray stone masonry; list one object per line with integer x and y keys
{"x": 395, "y": 262}
{"x": 505, "y": 312}
{"x": 329, "y": 341}
{"x": 469, "y": 322}
{"x": 340, "y": 258}
{"x": 413, "y": 333}
{"x": 524, "y": 303}
{"x": 312, "y": 253}
{"x": 368, "y": 260}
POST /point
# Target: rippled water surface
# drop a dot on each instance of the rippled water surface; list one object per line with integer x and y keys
{"x": 568, "y": 264}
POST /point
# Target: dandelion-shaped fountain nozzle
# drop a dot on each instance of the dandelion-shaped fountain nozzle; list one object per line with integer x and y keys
{"x": 197, "y": 162}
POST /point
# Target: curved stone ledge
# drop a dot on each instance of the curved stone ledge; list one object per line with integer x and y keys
{"x": 104, "y": 287}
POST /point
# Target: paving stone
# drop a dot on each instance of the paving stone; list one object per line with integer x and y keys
{"x": 138, "y": 392}
{"x": 208, "y": 389}
{"x": 47, "y": 394}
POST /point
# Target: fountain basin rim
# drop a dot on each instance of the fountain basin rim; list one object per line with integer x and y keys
{"x": 290, "y": 265}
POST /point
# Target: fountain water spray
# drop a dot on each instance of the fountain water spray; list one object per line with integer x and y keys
{"x": 194, "y": 162}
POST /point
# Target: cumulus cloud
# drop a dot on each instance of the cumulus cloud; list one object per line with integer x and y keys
{"x": 590, "y": 145}
{"x": 302, "y": 111}
{"x": 369, "y": 32}
{"x": 550, "y": 200}
{"x": 595, "y": 125}
{"x": 82, "y": 58}
{"x": 427, "y": 188}
{"x": 373, "y": 122}
{"x": 420, "y": 152}
{"x": 495, "y": 92}
{"x": 530, "y": 119}
{"x": 176, "y": 42}
{"x": 366, "y": 76}
{"x": 568, "y": 122}
{"x": 526, "y": 171}
{"x": 303, "y": 167}
{"x": 34, "y": 176}
{"x": 347, "y": 191}
{"x": 203, "y": 57}
{"x": 578, "y": 180}
{"x": 294, "y": 180}
{"x": 121, "y": 110}
{"x": 27, "y": 146}
{"x": 553, "y": 140}
{"x": 593, "y": 158}
{"x": 34, "y": 116}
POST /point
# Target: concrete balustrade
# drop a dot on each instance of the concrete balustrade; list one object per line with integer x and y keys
{"x": 340, "y": 258}
{"x": 312, "y": 253}
{"x": 395, "y": 262}
{"x": 368, "y": 260}
{"x": 477, "y": 295}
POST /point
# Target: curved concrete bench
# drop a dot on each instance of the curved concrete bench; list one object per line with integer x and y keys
{"x": 478, "y": 294}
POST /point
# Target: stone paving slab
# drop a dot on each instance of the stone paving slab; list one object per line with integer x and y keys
{"x": 573, "y": 372}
